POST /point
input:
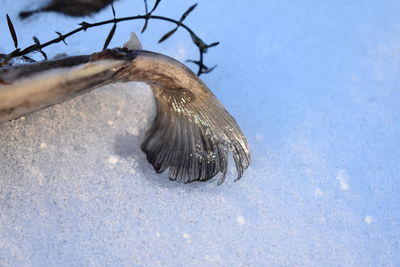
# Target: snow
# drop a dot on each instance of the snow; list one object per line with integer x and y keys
{"x": 343, "y": 179}
{"x": 43, "y": 145}
{"x": 241, "y": 220}
{"x": 113, "y": 159}
{"x": 315, "y": 87}
{"x": 368, "y": 219}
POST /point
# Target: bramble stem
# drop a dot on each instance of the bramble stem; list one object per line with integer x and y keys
{"x": 85, "y": 25}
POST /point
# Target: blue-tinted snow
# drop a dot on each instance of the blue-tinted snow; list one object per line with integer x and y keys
{"x": 315, "y": 86}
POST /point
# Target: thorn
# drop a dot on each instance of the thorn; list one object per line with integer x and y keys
{"x": 167, "y": 35}
{"x": 12, "y": 31}
{"x": 187, "y": 12}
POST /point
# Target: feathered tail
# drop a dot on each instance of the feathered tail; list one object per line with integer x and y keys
{"x": 192, "y": 136}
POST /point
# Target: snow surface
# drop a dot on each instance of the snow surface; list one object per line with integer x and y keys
{"x": 313, "y": 84}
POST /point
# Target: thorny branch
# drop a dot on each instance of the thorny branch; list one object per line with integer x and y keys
{"x": 38, "y": 47}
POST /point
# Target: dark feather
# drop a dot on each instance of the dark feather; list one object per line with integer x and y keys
{"x": 192, "y": 134}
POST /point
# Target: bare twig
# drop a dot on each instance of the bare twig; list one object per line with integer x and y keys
{"x": 198, "y": 42}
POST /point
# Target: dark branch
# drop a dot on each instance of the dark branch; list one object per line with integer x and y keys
{"x": 198, "y": 42}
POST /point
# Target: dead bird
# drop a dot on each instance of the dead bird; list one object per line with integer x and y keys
{"x": 192, "y": 133}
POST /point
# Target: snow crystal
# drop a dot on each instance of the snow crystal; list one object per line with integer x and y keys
{"x": 113, "y": 159}
{"x": 318, "y": 192}
{"x": 43, "y": 145}
{"x": 241, "y": 220}
{"x": 368, "y": 219}
{"x": 343, "y": 179}
{"x": 187, "y": 237}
